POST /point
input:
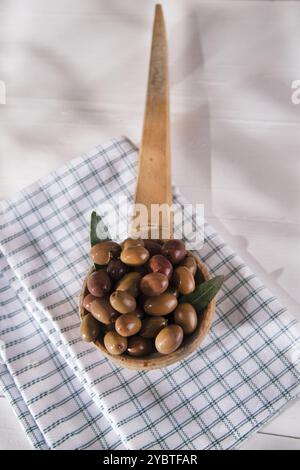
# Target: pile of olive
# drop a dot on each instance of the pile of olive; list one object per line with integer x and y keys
{"x": 134, "y": 301}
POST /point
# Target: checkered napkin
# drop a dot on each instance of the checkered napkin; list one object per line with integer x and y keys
{"x": 66, "y": 394}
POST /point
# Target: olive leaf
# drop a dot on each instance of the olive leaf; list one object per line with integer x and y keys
{"x": 98, "y": 232}
{"x": 204, "y": 293}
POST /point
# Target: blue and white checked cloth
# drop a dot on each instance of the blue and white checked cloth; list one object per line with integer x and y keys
{"x": 67, "y": 395}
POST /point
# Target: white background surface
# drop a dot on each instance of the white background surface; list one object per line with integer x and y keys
{"x": 75, "y": 74}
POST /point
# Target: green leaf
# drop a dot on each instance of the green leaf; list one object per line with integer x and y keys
{"x": 204, "y": 293}
{"x": 98, "y": 232}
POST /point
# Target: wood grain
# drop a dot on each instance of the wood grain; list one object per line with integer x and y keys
{"x": 230, "y": 104}
{"x": 154, "y": 173}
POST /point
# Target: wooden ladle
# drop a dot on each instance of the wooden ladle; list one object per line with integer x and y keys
{"x": 154, "y": 187}
{"x": 154, "y": 171}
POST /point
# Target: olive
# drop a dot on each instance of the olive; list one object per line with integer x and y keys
{"x": 174, "y": 250}
{"x": 190, "y": 263}
{"x": 89, "y": 328}
{"x": 122, "y": 301}
{"x": 98, "y": 283}
{"x": 138, "y": 346}
{"x": 116, "y": 269}
{"x": 101, "y": 253}
{"x": 154, "y": 284}
{"x": 151, "y": 326}
{"x": 160, "y": 264}
{"x": 169, "y": 339}
{"x": 153, "y": 247}
{"x": 132, "y": 242}
{"x": 161, "y": 305}
{"x": 88, "y": 299}
{"x": 128, "y": 324}
{"x": 114, "y": 343}
{"x": 185, "y": 316}
{"x": 184, "y": 280}
{"x": 135, "y": 255}
{"x": 103, "y": 311}
{"x": 129, "y": 283}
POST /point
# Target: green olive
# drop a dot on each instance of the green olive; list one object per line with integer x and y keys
{"x": 130, "y": 283}
{"x": 89, "y": 328}
{"x": 135, "y": 255}
{"x": 184, "y": 280}
{"x": 190, "y": 263}
{"x": 102, "y": 252}
{"x": 103, "y": 311}
{"x": 161, "y": 305}
{"x": 185, "y": 316}
{"x": 138, "y": 346}
{"x": 169, "y": 339}
{"x": 128, "y": 324}
{"x": 114, "y": 343}
{"x": 122, "y": 301}
{"x": 151, "y": 326}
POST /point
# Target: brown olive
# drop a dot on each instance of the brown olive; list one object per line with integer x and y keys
{"x": 160, "y": 264}
{"x": 135, "y": 255}
{"x": 132, "y": 242}
{"x": 161, "y": 305}
{"x": 138, "y": 346}
{"x": 185, "y": 316}
{"x": 169, "y": 339}
{"x": 114, "y": 343}
{"x": 153, "y": 247}
{"x": 174, "y": 250}
{"x": 98, "y": 283}
{"x": 130, "y": 283}
{"x": 101, "y": 253}
{"x": 116, "y": 269}
{"x": 88, "y": 299}
{"x": 151, "y": 326}
{"x": 89, "y": 328}
{"x": 184, "y": 280}
{"x": 190, "y": 263}
{"x": 103, "y": 311}
{"x": 122, "y": 301}
{"x": 154, "y": 284}
{"x": 128, "y": 324}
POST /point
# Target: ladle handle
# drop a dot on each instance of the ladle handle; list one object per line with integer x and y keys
{"x": 154, "y": 172}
